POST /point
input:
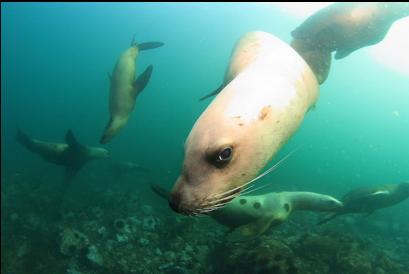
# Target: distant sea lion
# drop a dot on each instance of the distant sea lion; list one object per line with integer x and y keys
{"x": 253, "y": 215}
{"x": 124, "y": 88}
{"x": 369, "y": 199}
{"x": 72, "y": 155}
{"x": 121, "y": 168}
{"x": 267, "y": 91}
{"x": 344, "y": 28}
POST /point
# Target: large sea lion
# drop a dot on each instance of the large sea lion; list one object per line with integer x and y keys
{"x": 343, "y": 28}
{"x": 369, "y": 199}
{"x": 253, "y": 215}
{"x": 72, "y": 155}
{"x": 267, "y": 91}
{"x": 124, "y": 88}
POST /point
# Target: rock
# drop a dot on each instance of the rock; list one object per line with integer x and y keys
{"x": 147, "y": 210}
{"x": 143, "y": 242}
{"x": 149, "y": 223}
{"x": 72, "y": 241}
{"x": 257, "y": 256}
{"x": 94, "y": 256}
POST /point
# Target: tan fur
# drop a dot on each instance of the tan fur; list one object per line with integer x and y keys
{"x": 270, "y": 91}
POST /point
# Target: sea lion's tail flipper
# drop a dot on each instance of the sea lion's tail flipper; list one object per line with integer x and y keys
{"x": 161, "y": 191}
{"x": 149, "y": 45}
{"x": 142, "y": 80}
{"x": 213, "y": 93}
{"x": 327, "y": 218}
{"x": 22, "y": 137}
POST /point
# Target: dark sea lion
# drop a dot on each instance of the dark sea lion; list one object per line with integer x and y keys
{"x": 253, "y": 215}
{"x": 268, "y": 90}
{"x": 369, "y": 199}
{"x": 72, "y": 155}
{"x": 343, "y": 28}
{"x": 124, "y": 88}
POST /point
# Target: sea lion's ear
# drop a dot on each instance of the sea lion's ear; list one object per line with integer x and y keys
{"x": 142, "y": 80}
{"x": 256, "y": 228}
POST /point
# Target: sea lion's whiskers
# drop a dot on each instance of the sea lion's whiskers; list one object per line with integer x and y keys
{"x": 275, "y": 166}
{"x": 227, "y": 198}
{"x": 244, "y": 192}
{"x": 212, "y": 208}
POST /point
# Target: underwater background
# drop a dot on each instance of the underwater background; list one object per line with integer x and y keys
{"x": 54, "y": 64}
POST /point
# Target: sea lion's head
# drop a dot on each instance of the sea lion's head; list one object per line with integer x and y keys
{"x": 223, "y": 152}
{"x": 328, "y": 203}
{"x": 98, "y": 153}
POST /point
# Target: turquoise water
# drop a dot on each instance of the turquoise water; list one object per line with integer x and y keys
{"x": 55, "y": 59}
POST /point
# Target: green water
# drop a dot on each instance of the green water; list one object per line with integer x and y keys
{"x": 55, "y": 59}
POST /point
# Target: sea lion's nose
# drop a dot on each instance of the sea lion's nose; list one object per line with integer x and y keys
{"x": 174, "y": 201}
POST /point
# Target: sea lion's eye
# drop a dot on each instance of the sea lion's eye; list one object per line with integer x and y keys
{"x": 220, "y": 158}
{"x": 224, "y": 155}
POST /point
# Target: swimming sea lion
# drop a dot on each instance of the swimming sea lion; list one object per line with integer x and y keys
{"x": 344, "y": 28}
{"x": 72, "y": 155}
{"x": 124, "y": 88}
{"x": 267, "y": 91}
{"x": 253, "y": 215}
{"x": 369, "y": 199}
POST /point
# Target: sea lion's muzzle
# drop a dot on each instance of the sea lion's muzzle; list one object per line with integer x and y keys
{"x": 181, "y": 199}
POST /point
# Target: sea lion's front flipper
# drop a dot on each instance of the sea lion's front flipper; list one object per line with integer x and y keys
{"x": 150, "y": 45}
{"x": 72, "y": 142}
{"x": 142, "y": 80}
{"x": 213, "y": 93}
{"x": 327, "y": 218}
{"x": 70, "y": 172}
{"x": 256, "y": 228}
{"x": 161, "y": 191}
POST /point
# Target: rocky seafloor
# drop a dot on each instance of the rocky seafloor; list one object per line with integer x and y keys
{"x": 113, "y": 229}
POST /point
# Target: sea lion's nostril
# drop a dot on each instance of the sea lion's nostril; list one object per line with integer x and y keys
{"x": 174, "y": 202}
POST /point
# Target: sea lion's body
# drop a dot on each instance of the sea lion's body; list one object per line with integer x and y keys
{"x": 344, "y": 28}
{"x": 369, "y": 199}
{"x": 124, "y": 88}
{"x": 267, "y": 91}
{"x": 71, "y": 155}
{"x": 253, "y": 215}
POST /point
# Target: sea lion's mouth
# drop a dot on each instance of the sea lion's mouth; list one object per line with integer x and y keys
{"x": 203, "y": 206}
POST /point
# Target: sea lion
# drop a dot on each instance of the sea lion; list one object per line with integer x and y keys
{"x": 72, "y": 155}
{"x": 369, "y": 199}
{"x": 253, "y": 215}
{"x": 267, "y": 91}
{"x": 121, "y": 168}
{"x": 344, "y": 28}
{"x": 124, "y": 88}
